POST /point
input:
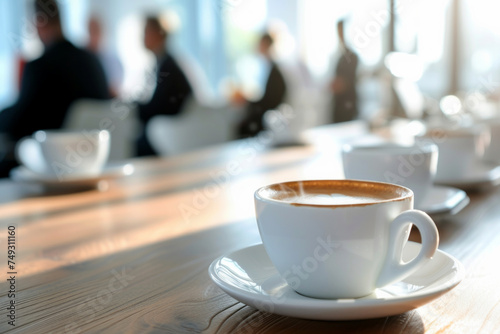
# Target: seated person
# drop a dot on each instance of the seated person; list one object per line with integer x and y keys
{"x": 49, "y": 85}
{"x": 172, "y": 86}
{"x": 274, "y": 94}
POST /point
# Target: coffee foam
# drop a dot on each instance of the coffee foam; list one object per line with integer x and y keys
{"x": 333, "y": 192}
{"x": 330, "y": 199}
{"x": 450, "y": 132}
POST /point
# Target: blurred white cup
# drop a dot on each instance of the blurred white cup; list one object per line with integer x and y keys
{"x": 65, "y": 154}
{"x": 460, "y": 149}
{"x": 413, "y": 166}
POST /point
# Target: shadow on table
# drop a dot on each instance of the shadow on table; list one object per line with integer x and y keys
{"x": 248, "y": 321}
{"x": 14, "y": 191}
{"x": 214, "y": 155}
{"x": 454, "y": 226}
{"x": 163, "y": 287}
{"x": 17, "y": 191}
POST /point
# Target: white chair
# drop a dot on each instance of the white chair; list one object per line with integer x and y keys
{"x": 114, "y": 115}
{"x": 196, "y": 127}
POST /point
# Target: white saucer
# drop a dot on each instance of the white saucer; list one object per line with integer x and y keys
{"x": 249, "y": 276}
{"x": 482, "y": 176}
{"x": 444, "y": 201}
{"x": 110, "y": 172}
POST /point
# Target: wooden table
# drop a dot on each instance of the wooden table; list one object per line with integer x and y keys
{"x": 134, "y": 258}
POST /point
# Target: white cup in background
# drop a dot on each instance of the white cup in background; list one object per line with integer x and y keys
{"x": 411, "y": 166}
{"x": 460, "y": 149}
{"x": 346, "y": 249}
{"x": 62, "y": 154}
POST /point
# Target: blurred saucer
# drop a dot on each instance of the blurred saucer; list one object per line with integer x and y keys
{"x": 481, "y": 177}
{"x": 249, "y": 276}
{"x": 110, "y": 172}
{"x": 444, "y": 201}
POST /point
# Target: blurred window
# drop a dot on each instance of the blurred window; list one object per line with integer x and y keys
{"x": 365, "y": 30}
{"x": 480, "y": 45}
{"x": 220, "y": 36}
{"x": 9, "y": 45}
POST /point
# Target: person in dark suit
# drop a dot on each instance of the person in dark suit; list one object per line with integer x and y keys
{"x": 63, "y": 74}
{"x": 172, "y": 86}
{"x": 345, "y": 96}
{"x": 274, "y": 94}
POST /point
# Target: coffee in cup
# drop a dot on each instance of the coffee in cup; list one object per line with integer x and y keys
{"x": 341, "y": 238}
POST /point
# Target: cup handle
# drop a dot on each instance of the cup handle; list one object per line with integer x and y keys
{"x": 29, "y": 154}
{"x": 394, "y": 269}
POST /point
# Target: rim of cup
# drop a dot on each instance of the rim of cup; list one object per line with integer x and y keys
{"x": 393, "y": 192}
{"x": 469, "y": 131}
{"x": 377, "y": 149}
{"x": 41, "y": 135}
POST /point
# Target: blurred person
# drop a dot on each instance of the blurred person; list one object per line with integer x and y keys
{"x": 172, "y": 86}
{"x": 109, "y": 61}
{"x": 273, "y": 96}
{"x": 343, "y": 86}
{"x": 49, "y": 85}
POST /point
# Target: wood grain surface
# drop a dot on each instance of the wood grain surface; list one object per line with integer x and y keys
{"x": 134, "y": 258}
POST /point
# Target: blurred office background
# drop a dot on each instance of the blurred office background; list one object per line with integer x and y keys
{"x": 453, "y": 45}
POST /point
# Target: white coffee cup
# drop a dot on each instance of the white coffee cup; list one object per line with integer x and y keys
{"x": 413, "y": 166}
{"x": 343, "y": 250}
{"x": 63, "y": 154}
{"x": 460, "y": 149}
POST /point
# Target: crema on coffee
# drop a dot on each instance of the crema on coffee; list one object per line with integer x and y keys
{"x": 335, "y": 192}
